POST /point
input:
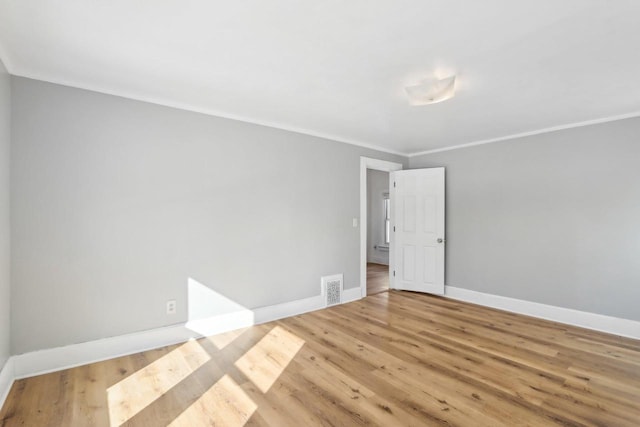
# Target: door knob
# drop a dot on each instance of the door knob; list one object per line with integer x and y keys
{"x": 441, "y": 240}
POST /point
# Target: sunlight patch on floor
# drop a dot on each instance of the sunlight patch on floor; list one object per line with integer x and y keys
{"x": 136, "y": 392}
{"x": 224, "y": 404}
{"x": 223, "y": 340}
{"x": 266, "y": 360}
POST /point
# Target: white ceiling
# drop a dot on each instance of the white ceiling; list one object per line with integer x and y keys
{"x": 337, "y": 68}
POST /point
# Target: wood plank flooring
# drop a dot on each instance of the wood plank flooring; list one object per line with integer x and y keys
{"x": 377, "y": 278}
{"x": 392, "y": 359}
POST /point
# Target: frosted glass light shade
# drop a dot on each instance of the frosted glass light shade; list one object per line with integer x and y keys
{"x": 431, "y": 91}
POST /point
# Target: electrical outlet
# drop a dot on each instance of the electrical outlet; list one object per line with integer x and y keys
{"x": 171, "y": 306}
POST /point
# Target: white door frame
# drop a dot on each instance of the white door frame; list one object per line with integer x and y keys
{"x": 380, "y": 165}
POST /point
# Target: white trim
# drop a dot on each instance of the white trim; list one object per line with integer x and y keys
{"x": 6, "y": 380}
{"x": 583, "y": 319}
{"x": 288, "y": 309}
{"x": 379, "y": 260}
{"x": 55, "y": 359}
{"x": 59, "y": 358}
{"x": 530, "y": 133}
{"x": 222, "y": 323}
{"x": 381, "y": 165}
{"x": 352, "y": 294}
{"x": 211, "y": 112}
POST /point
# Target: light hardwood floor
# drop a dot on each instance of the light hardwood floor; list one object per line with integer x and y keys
{"x": 377, "y": 278}
{"x": 392, "y": 359}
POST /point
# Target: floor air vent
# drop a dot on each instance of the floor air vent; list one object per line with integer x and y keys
{"x": 332, "y": 289}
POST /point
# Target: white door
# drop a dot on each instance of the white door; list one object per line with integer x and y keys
{"x": 417, "y": 244}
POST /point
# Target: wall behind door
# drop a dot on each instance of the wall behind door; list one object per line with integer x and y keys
{"x": 552, "y": 218}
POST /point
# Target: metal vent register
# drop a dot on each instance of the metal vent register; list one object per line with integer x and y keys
{"x": 332, "y": 289}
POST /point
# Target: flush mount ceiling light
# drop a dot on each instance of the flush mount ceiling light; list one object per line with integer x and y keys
{"x": 431, "y": 90}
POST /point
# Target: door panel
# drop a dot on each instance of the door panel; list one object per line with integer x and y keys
{"x": 430, "y": 264}
{"x": 417, "y": 206}
{"x": 408, "y": 262}
{"x": 409, "y": 214}
{"x": 430, "y": 214}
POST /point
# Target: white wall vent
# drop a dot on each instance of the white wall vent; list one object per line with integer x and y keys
{"x": 332, "y": 289}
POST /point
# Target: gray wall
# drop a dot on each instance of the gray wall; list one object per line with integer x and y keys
{"x": 377, "y": 185}
{"x": 118, "y": 203}
{"x": 552, "y": 218}
{"x": 5, "y": 135}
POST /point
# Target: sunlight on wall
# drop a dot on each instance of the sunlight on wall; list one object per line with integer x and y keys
{"x": 137, "y": 391}
{"x": 266, "y": 360}
{"x": 210, "y": 312}
{"x": 224, "y": 404}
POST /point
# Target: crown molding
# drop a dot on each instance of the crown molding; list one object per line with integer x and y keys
{"x": 529, "y": 133}
{"x": 207, "y": 111}
{"x": 303, "y": 131}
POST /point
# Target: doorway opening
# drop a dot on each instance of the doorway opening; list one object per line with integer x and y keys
{"x": 378, "y": 231}
{"x": 376, "y": 249}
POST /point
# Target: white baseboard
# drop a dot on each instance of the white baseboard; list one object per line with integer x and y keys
{"x": 349, "y": 295}
{"x": 228, "y": 322}
{"x": 55, "y": 359}
{"x": 288, "y": 309}
{"x": 379, "y": 260}
{"x": 598, "y": 322}
{"x": 59, "y": 358}
{"x": 6, "y": 380}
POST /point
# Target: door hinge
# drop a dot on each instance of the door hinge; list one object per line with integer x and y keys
{"x": 394, "y": 273}
{"x": 394, "y": 228}
{"x": 394, "y": 184}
